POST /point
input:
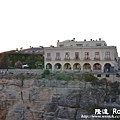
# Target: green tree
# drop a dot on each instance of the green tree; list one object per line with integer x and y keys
{"x": 31, "y": 61}
{"x": 5, "y": 62}
{"x": 39, "y": 62}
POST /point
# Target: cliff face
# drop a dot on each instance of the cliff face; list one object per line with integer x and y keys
{"x": 47, "y": 99}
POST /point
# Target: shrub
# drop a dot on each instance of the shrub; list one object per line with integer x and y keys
{"x": 63, "y": 76}
{"x": 46, "y": 72}
{"x": 89, "y": 78}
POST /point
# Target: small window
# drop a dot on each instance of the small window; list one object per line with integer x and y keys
{"x": 76, "y": 55}
{"x": 107, "y": 75}
{"x": 98, "y": 44}
{"x": 48, "y": 55}
{"x": 67, "y": 55}
{"x": 79, "y": 44}
{"x": 61, "y": 45}
{"x": 99, "y": 75}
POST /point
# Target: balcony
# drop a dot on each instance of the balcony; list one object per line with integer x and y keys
{"x": 107, "y": 58}
{"x": 86, "y": 58}
{"x": 96, "y": 58}
{"x": 76, "y": 58}
{"x": 48, "y": 59}
{"x": 57, "y": 58}
{"x": 67, "y": 59}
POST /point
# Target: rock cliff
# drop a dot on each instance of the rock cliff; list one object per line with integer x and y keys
{"x": 48, "y": 99}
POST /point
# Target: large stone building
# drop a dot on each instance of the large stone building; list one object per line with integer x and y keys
{"x": 83, "y": 56}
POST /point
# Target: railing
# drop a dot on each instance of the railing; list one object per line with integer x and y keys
{"x": 87, "y": 70}
{"x": 107, "y": 58}
{"x": 86, "y": 58}
{"x": 76, "y": 58}
{"x": 67, "y": 59}
{"x": 58, "y": 58}
{"x": 76, "y": 70}
{"x": 96, "y": 58}
{"x": 97, "y": 71}
{"x": 48, "y": 59}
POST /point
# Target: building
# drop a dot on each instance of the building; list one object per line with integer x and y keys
{"x": 24, "y": 55}
{"x": 82, "y": 56}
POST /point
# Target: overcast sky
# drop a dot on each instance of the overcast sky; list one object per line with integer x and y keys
{"x": 25, "y": 23}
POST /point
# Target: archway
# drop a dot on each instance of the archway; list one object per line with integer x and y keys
{"x": 97, "y": 66}
{"x": 87, "y": 66}
{"x": 67, "y": 66}
{"x": 76, "y": 66}
{"x": 58, "y": 66}
{"x": 107, "y": 67}
{"x": 48, "y": 66}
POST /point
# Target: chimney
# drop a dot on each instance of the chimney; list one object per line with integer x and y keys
{"x": 99, "y": 39}
{"x": 90, "y": 39}
{"x": 41, "y": 46}
{"x": 84, "y": 39}
{"x": 58, "y": 40}
{"x": 73, "y": 39}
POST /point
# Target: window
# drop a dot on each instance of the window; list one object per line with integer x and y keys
{"x": 107, "y": 75}
{"x": 79, "y": 44}
{"x": 98, "y": 44}
{"x": 107, "y": 55}
{"x": 67, "y": 55}
{"x": 57, "y": 55}
{"x": 97, "y": 56}
{"x": 76, "y": 55}
{"x": 48, "y": 55}
{"x": 61, "y": 45}
{"x": 86, "y": 55}
{"x": 99, "y": 75}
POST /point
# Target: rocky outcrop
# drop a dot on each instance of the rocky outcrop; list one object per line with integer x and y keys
{"x": 47, "y": 99}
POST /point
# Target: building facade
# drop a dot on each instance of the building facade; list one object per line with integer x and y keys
{"x": 83, "y": 56}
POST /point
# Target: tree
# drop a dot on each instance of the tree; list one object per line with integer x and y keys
{"x": 39, "y": 62}
{"x": 5, "y": 62}
{"x": 31, "y": 61}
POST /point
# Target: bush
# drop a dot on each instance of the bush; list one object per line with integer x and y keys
{"x": 46, "y": 72}
{"x": 89, "y": 78}
{"x": 63, "y": 76}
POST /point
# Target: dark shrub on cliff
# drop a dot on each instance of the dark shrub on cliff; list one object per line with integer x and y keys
{"x": 46, "y": 72}
{"x": 4, "y": 62}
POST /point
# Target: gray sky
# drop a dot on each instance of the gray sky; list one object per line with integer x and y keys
{"x": 25, "y": 23}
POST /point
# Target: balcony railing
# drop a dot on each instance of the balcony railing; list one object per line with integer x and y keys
{"x": 67, "y": 59}
{"x": 107, "y": 58}
{"x": 86, "y": 58}
{"x": 96, "y": 58}
{"x": 76, "y": 58}
{"x": 57, "y": 58}
{"x": 48, "y": 59}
